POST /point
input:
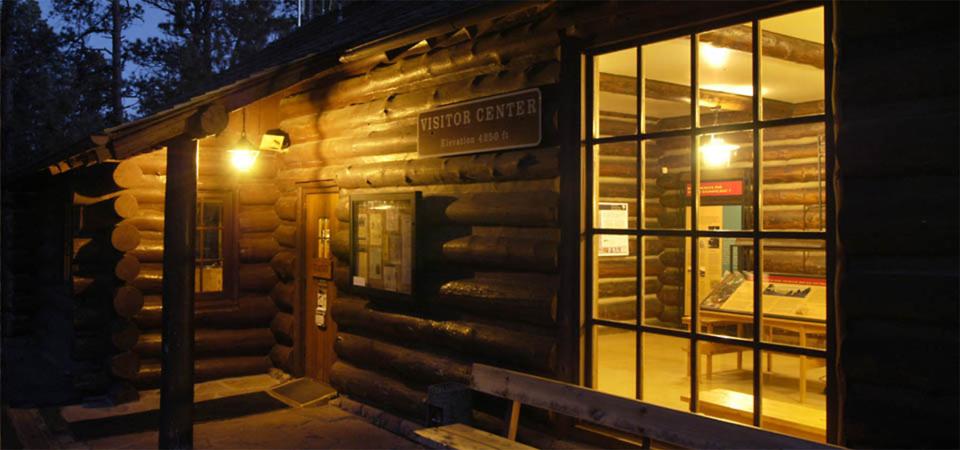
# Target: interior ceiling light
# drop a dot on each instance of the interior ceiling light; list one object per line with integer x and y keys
{"x": 717, "y": 152}
{"x": 243, "y": 154}
{"x": 714, "y": 56}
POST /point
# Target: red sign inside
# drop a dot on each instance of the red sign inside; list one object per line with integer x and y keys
{"x": 719, "y": 188}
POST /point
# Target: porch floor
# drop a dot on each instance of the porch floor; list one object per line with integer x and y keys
{"x": 218, "y": 422}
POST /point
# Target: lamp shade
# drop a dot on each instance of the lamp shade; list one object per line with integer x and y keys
{"x": 243, "y": 154}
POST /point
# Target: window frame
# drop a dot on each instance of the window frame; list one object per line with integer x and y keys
{"x": 229, "y": 245}
{"x": 590, "y": 140}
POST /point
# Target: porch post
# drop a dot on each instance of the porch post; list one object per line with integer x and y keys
{"x": 180, "y": 211}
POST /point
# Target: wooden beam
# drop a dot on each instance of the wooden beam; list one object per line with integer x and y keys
{"x": 176, "y": 390}
{"x": 627, "y": 415}
{"x": 709, "y": 99}
{"x": 774, "y": 45}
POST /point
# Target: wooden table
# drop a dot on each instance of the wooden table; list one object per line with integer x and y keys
{"x": 711, "y": 319}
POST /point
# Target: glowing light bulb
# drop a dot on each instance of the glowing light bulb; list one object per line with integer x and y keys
{"x": 243, "y": 159}
{"x": 716, "y": 153}
{"x": 714, "y": 56}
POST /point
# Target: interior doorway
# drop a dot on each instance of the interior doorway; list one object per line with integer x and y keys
{"x": 317, "y": 329}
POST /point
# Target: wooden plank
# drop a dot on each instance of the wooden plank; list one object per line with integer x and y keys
{"x": 630, "y": 416}
{"x": 463, "y": 437}
{"x": 513, "y": 420}
{"x": 777, "y": 415}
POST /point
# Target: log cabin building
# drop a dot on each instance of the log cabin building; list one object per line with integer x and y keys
{"x": 598, "y": 193}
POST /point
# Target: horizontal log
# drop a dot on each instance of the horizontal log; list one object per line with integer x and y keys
{"x": 803, "y": 196}
{"x": 286, "y": 235}
{"x": 529, "y": 298}
{"x": 87, "y": 251}
{"x": 805, "y": 219}
{"x": 343, "y": 209}
{"x": 124, "y": 335}
{"x": 626, "y": 266}
{"x": 108, "y": 213}
{"x": 149, "y": 250}
{"x": 670, "y": 295}
{"x": 106, "y": 177}
{"x": 408, "y": 364}
{"x": 380, "y": 390}
{"x": 124, "y": 237}
{"x": 678, "y": 93}
{"x": 246, "y": 312}
{"x": 812, "y": 262}
{"x": 406, "y": 105}
{"x": 284, "y": 264}
{"x": 502, "y": 344}
{"x": 286, "y": 208}
{"x": 92, "y": 382}
{"x": 284, "y": 296}
{"x": 515, "y": 165}
{"x": 258, "y": 193}
{"x": 257, "y": 278}
{"x": 150, "y": 279}
{"x": 774, "y": 45}
{"x": 532, "y": 209}
{"x": 152, "y": 196}
{"x": 626, "y": 287}
{"x": 487, "y": 52}
{"x": 257, "y": 219}
{"x": 120, "y": 336}
{"x": 206, "y": 369}
{"x": 147, "y": 220}
{"x": 500, "y": 252}
{"x": 282, "y": 327}
{"x": 214, "y": 342}
{"x": 211, "y": 162}
{"x": 124, "y": 365}
{"x": 282, "y": 357}
{"x": 127, "y": 301}
{"x": 258, "y": 248}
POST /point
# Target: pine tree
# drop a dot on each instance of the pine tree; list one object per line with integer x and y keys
{"x": 33, "y": 74}
{"x": 202, "y": 38}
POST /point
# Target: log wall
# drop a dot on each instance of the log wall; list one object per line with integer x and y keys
{"x": 489, "y": 224}
{"x": 118, "y": 265}
{"x": 36, "y": 302}
{"x": 897, "y": 221}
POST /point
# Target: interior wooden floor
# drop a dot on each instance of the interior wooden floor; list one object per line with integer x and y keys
{"x": 666, "y": 381}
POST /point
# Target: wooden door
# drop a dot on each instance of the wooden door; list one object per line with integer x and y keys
{"x": 318, "y": 226}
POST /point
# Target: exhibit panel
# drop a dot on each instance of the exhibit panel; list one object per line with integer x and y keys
{"x": 738, "y": 196}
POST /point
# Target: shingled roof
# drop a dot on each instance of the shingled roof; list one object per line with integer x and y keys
{"x": 309, "y": 50}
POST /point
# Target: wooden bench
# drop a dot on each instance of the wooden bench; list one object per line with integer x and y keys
{"x": 587, "y": 405}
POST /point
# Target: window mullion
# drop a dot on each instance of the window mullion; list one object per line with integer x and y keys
{"x": 641, "y": 219}
{"x": 694, "y": 188}
{"x": 590, "y": 128}
{"x": 757, "y": 225}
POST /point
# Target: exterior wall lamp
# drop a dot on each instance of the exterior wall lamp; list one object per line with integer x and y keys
{"x": 243, "y": 154}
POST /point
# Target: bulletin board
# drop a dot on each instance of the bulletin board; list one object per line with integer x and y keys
{"x": 383, "y": 230}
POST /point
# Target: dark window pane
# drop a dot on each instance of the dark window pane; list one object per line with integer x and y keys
{"x": 212, "y": 213}
{"x": 211, "y": 244}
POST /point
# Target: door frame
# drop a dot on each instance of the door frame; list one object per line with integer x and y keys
{"x": 301, "y": 318}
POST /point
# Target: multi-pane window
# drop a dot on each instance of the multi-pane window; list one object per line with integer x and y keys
{"x": 213, "y": 235}
{"x": 707, "y": 168}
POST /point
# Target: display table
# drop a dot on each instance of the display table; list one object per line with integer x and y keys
{"x": 792, "y": 305}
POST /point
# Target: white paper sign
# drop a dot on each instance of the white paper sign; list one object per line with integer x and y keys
{"x": 614, "y": 216}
